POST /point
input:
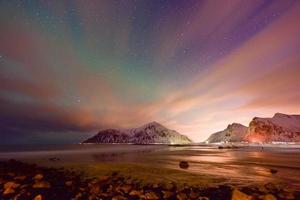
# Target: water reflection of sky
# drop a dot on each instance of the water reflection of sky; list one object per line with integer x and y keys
{"x": 240, "y": 165}
{"x": 249, "y": 165}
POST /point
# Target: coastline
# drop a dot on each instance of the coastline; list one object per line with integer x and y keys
{"x": 29, "y": 181}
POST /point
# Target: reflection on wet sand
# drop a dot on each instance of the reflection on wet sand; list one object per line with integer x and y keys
{"x": 244, "y": 165}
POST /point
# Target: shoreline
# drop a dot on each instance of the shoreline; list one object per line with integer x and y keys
{"x": 20, "y": 180}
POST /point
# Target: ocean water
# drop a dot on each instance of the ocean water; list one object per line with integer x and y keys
{"x": 243, "y": 165}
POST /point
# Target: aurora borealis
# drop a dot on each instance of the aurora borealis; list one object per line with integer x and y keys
{"x": 70, "y": 68}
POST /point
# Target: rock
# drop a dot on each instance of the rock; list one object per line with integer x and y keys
{"x": 126, "y": 188}
{"x": 95, "y": 189}
{"x": 11, "y": 185}
{"x": 167, "y": 194}
{"x": 262, "y": 189}
{"x": 92, "y": 197}
{"x": 78, "y": 196}
{"x": 286, "y": 194}
{"x": 194, "y": 194}
{"x": 271, "y": 187}
{"x": 269, "y": 197}
{"x": 38, "y": 177}
{"x": 170, "y": 186}
{"x": 54, "y": 159}
{"x": 203, "y": 198}
{"x": 8, "y": 191}
{"x": 151, "y": 195}
{"x": 273, "y": 171}
{"x": 183, "y": 164}
{"x": 104, "y": 178}
{"x": 135, "y": 193}
{"x": 20, "y": 178}
{"x": 41, "y": 184}
{"x": 119, "y": 197}
{"x": 38, "y": 197}
{"x": 181, "y": 196}
{"x": 69, "y": 183}
{"x": 238, "y": 195}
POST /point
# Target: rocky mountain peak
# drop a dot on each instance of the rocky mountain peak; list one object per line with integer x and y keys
{"x": 151, "y": 133}
{"x": 235, "y": 125}
{"x": 281, "y": 115}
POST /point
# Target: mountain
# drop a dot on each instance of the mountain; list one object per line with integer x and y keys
{"x": 152, "y": 133}
{"x": 233, "y": 133}
{"x": 279, "y": 128}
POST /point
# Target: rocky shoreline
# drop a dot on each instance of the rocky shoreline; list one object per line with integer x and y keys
{"x": 20, "y": 180}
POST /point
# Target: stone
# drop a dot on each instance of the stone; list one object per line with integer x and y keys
{"x": 119, "y": 197}
{"x": 203, "y": 198}
{"x": 104, "y": 178}
{"x": 271, "y": 187}
{"x": 135, "y": 193}
{"x": 151, "y": 195}
{"x": 273, "y": 171}
{"x": 11, "y": 185}
{"x": 238, "y": 195}
{"x": 54, "y": 159}
{"x": 181, "y": 196}
{"x": 269, "y": 197}
{"x": 38, "y": 197}
{"x": 170, "y": 186}
{"x": 38, "y": 177}
{"x": 194, "y": 194}
{"x": 41, "y": 184}
{"x": 20, "y": 178}
{"x": 95, "y": 189}
{"x": 93, "y": 197}
{"x": 184, "y": 164}
{"x": 286, "y": 195}
{"x": 126, "y": 188}
{"x": 69, "y": 183}
{"x": 78, "y": 196}
{"x": 24, "y": 186}
{"x": 262, "y": 189}
{"x": 8, "y": 191}
{"x": 167, "y": 194}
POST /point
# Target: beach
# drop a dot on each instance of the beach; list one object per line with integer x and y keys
{"x": 254, "y": 171}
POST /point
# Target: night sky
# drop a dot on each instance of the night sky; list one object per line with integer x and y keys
{"x": 70, "y": 68}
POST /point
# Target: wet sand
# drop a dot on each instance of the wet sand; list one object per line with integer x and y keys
{"x": 207, "y": 164}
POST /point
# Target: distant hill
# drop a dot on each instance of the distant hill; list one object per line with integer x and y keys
{"x": 233, "y": 133}
{"x": 151, "y": 133}
{"x": 279, "y": 128}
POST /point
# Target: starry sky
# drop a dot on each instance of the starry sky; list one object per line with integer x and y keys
{"x": 70, "y": 68}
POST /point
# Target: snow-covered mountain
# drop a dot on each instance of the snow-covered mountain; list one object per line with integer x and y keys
{"x": 279, "y": 128}
{"x": 233, "y": 133}
{"x": 152, "y": 133}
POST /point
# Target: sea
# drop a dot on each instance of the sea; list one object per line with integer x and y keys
{"x": 248, "y": 164}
